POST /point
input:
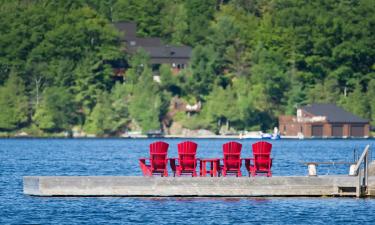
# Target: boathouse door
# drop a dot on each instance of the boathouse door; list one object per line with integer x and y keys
{"x": 317, "y": 130}
{"x": 337, "y": 130}
{"x": 357, "y": 131}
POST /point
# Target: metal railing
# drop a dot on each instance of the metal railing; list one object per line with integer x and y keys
{"x": 362, "y": 175}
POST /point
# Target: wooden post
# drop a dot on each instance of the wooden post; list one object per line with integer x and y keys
{"x": 359, "y": 186}
{"x": 352, "y": 170}
{"x": 312, "y": 169}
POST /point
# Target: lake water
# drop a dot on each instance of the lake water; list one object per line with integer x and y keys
{"x": 22, "y": 157}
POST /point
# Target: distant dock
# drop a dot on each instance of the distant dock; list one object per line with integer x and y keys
{"x": 91, "y": 186}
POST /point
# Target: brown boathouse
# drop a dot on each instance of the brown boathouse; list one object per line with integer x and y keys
{"x": 323, "y": 120}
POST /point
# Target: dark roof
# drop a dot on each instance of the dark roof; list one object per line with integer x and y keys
{"x": 152, "y": 45}
{"x": 333, "y": 113}
{"x": 169, "y": 51}
{"x": 148, "y": 42}
{"x": 129, "y": 29}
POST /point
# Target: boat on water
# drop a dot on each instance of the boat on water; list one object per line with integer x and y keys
{"x": 260, "y": 135}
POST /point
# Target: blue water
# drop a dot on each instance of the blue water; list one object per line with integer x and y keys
{"x": 21, "y": 157}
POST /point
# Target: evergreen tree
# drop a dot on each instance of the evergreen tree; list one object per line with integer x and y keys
{"x": 56, "y": 110}
{"x": 371, "y": 100}
{"x": 169, "y": 82}
{"x": 13, "y": 103}
{"x": 146, "y": 13}
{"x": 145, "y": 103}
{"x": 120, "y": 105}
{"x": 101, "y": 119}
{"x": 86, "y": 85}
{"x": 174, "y": 24}
{"x": 203, "y": 64}
{"x": 222, "y": 107}
{"x": 269, "y": 81}
{"x": 358, "y": 103}
{"x": 199, "y": 14}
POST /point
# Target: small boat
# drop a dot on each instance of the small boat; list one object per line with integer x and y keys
{"x": 274, "y": 136}
{"x": 267, "y": 136}
{"x": 251, "y": 135}
{"x": 260, "y": 135}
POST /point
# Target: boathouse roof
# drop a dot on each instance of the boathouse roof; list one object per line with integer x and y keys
{"x": 333, "y": 113}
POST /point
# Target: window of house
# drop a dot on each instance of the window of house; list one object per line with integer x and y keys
{"x": 155, "y": 67}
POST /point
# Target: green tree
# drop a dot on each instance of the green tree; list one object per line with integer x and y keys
{"x": 199, "y": 14}
{"x": 269, "y": 81}
{"x": 86, "y": 85}
{"x": 56, "y": 111}
{"x": 120, "y": 105}
{"x": 231, "y": 34}
{"x": 174, "y": 23}
{"x": 13, "y": 103}
{"x": 169, "y": 81}
{"x": 203, "y": 64}
{"x": 222, "y": 107}
{"x": 146, "y": 102}
{"x": 371, "y": 99}
{"x": 357, "y": 103}
{"x": 101, "y": 119}
{"x": 249, "y": 118}
{"x": 147, "y": 14}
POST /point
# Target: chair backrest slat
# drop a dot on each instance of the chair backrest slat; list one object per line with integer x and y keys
{"x": 158, "y": 155}
{"x": 187, "y": 155}
{"x": 232, "y": 155}
{"x": 262, "y": 155}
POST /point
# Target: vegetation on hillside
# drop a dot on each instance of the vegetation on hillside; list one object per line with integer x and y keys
{"x": 252, "y": 61}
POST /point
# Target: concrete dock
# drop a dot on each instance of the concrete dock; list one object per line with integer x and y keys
{"x": 193, "y": 187}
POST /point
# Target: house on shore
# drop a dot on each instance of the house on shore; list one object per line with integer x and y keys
{"x": 176, "y": 56}
{"x": 323, "y": 120}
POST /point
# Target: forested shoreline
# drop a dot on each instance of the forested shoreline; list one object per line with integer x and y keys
{"x": 252, "y": 61}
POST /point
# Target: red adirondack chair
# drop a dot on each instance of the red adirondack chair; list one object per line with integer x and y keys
{"x": 187, "y": 161}
{"x": 262, "y": 159}
{"x": 232, "y": 159}
{"x": 158, "y": 160}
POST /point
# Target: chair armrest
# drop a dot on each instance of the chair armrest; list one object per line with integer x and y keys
{"x": 145, "y": 168}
